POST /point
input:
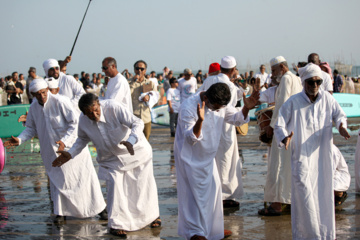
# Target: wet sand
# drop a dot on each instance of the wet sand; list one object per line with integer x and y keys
{"x": 25, "y": 207}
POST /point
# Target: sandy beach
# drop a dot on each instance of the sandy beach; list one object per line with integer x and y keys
{"x": 25, "y": 207}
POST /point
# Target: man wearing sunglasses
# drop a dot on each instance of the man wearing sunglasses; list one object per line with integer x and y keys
{"x": 305, "y": 125}
{"x": 142, "y": 90}
{"x": 118, "y": 87}
{"x": 278, "y": 179}
{"x": 67, "y": 84}
{"x": 327, "y": 82}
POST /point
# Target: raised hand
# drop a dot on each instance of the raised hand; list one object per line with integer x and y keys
{"x": 128, "y": 146}
{"x": 63, "y": 158}
{"x": 201, "y": 111}
{"x": 14, "y": 141}
{"x": 67, "y": 59}
{"x": 251, "y": 101}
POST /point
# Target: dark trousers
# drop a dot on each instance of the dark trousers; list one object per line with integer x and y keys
{"x": 173, "y": 122}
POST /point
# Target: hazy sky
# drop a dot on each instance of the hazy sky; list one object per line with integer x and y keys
{"x": 177, "y": 34}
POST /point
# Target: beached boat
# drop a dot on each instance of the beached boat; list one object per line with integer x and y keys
{"x": 9, "y": 115}
{"x": 350, "y": 103}
{"x": 160, "y": 115}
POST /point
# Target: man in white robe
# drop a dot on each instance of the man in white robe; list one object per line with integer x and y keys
{"x": 278, "y": 178}
{"x": 75, "y": 188}
{"x": 187, "y": 85}
{"x": 227, "y": 156}
{"x": 118, "y": 87}
{"x": 342, "y": 177}
{"x": 307, "y": 117}
{"x": 263, "y": 76}
{"x": 125, "y": 159}
{"x": 68, "y": 85}
{"x": 200, "y": 121}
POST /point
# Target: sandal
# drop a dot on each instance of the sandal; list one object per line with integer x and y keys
{"x": 118, "y": 232}
{"x": 340, "y": 200}
{"x": 230, "y": 204}
{"x": 227, "y": 233}
{"x": 156, "y": 223}
{"x": 269, "y": 212}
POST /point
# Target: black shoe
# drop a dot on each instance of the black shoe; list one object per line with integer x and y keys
{"x": 173, "y": 134}
{"x": 59, "y": 219}
{"x": 230, "y": 204}
{"x": 340, "y": 200}
{"x": 103, "y": 215}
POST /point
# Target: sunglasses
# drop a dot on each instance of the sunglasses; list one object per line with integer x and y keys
{"x": 139, "y": 68}
{"x": 312, "y": 82}
{"x": 104, "y": 68}
{"x": 54, "y": 68}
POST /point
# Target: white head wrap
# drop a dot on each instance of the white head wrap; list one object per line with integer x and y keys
{"x": 309, "y": 71}
{"x": 49, "y": 64}
{"x": 52, "y": 82}
{"x": 228, "y": 62}
{"x": 37, "y": 84}
{"x": 277, "y": 60}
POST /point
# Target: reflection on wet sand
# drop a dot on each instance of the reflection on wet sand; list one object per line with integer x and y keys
{"x": 25, "y": 206}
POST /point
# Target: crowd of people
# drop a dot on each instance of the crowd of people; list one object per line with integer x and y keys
{"x": 305, "y": 170}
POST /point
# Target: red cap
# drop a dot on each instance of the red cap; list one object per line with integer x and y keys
{"x": 214, "y": 67}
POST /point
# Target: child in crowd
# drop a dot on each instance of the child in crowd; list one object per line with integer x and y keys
{"x": 173, "y": 100}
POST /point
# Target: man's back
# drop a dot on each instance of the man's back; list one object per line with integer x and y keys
{"x": 187, "y": 88}
{"x": 289, "y": 85}
{"x": 119, "y": 90}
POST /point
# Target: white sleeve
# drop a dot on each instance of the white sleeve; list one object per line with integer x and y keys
{"x": 188, "y": 121}
{"x": 235, "y": 116}
{"x": 131, "y": 121}
{"x": 283, "y": 119}
{"x": 30, "y": 130}
{"x": 283, "y": 93}
{"x": 78, "y": 91}
{"x": 72, "y": 118}
{"x": 80, "y": 143}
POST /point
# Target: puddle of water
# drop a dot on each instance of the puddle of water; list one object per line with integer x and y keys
{"x": 25, "y": 207}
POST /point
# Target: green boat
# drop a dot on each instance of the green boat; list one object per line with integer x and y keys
{"x": 9, "y": 115}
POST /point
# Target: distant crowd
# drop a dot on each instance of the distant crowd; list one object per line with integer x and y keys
{"x": 16, "y": 85}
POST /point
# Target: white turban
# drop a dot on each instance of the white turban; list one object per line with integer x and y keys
{"x": 309, "y": 71}
{"x": 52, "y": 82}
{"x": 49, "y": 64}
{"x": 37, "y": 84}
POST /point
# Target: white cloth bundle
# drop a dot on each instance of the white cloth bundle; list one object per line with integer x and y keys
{"x": 154, "y": 98}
